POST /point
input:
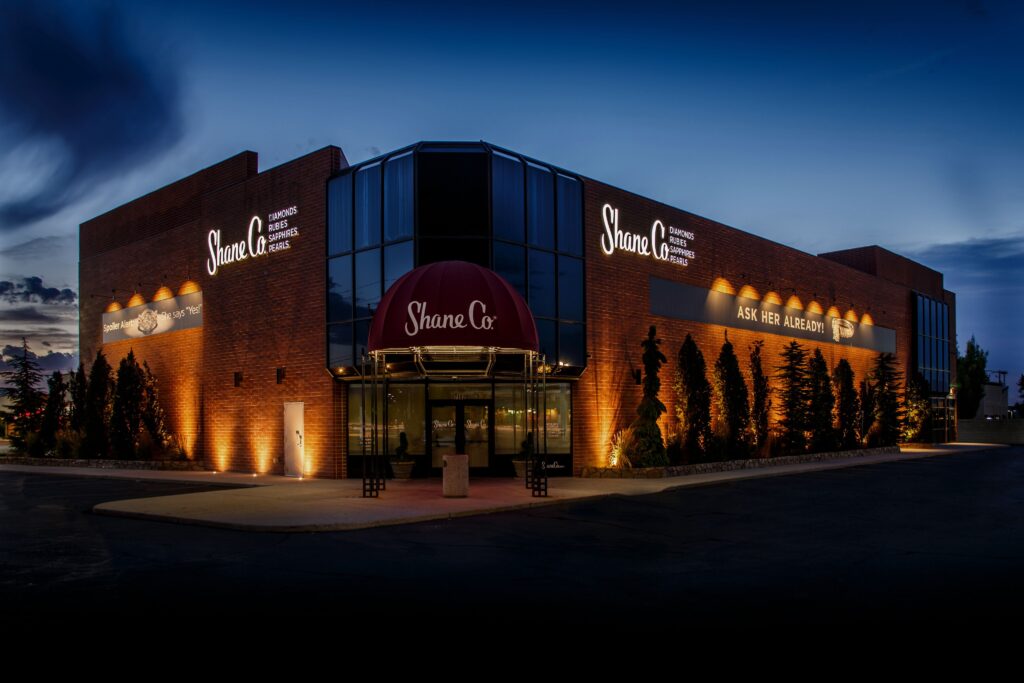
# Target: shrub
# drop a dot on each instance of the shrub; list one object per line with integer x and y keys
{"x": 885, "y": 381}
{"x": 623, "y": 445}
{"x": 762, "y": 401}
{"x": 917, "y": 424}
{"x": 732, "y": 406}
{"x": 848, "y": 417}
{"x": 650, "y": 448}
{"x": 793, "y": 394}
{"x": 693, "y": 401}
{"x": 821, "y": 405}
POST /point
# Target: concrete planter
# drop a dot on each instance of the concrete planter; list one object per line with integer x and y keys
{"x": 728, "y": 465}
{"x": 403, "y": 468}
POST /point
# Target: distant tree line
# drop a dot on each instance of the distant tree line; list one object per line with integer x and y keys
{"x": 99, "y": 414}
{"x": 720, "y": 417}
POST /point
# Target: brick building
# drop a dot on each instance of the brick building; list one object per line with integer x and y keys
{"x": 251, "y": 295}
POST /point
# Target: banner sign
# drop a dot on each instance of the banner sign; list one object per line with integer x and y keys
{"x": 686, "y": 302}
{"x": 167, "y": 315}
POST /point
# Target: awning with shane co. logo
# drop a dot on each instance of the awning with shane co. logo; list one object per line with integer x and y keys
{"x": 452, "y": 303}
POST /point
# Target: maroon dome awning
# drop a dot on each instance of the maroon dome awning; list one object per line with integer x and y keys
{"x": 452, "y": 303}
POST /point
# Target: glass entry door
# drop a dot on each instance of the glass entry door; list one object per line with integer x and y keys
{"x": 461, "y": 426}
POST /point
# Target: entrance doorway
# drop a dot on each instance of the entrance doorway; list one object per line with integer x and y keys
{"x": 461, "y": 426}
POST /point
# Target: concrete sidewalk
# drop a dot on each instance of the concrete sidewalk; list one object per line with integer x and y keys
{"x": 273, "y": 503}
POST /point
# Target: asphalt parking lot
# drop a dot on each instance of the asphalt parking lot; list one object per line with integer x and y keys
{"x": 929, "y": 541}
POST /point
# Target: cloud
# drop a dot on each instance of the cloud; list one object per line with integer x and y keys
{"x": 40, "y": 247}
{"x": 83, "y": 96}
{"x": 28, "y": 314}
{"x": 60, "y": 337}
{"x": 990, "y": 263}
{"x": 52, "y": 360}
{"x": 32, "y": 290}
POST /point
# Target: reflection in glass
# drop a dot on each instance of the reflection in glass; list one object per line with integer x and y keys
{"x": 368, "y": 206}
{"x": 405, "y": 414}
{"x": 509, "y": 418}
{"x": 570, "y": 288}
{"x": 546, "y": 336}
{"x": 397, "y": 262}
{"x": 339, "y": 289}
{"x": 540, "y": 203}
{"x": 339, "y": 342}
{"x": 398, "y": 197}
{"x": 570, "y": 215}
{"x": 368, "y": 282}
{"x": 571, "y": 344}
{"x": 510, "y": 263}
{"x": 476, "y": 433}
{"x": 507, "y": 198}
{"x": 362, "y": 330}
{"x": 542, "y": 284}
{"x": 442, "y": 433}
{"x": 558, "y": 418}
{"x": 339, "y": 214}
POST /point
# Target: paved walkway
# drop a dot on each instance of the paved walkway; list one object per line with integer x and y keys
{"x": 273, "y": 503}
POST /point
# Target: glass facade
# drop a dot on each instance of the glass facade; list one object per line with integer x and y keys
{"x": 494, "y": 414}
{"x": 470, "y": 202}
{"x": 932, "y": 343}
{"x": 370, "y": 227}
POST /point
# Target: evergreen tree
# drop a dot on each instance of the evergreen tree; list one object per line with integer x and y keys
{"x": 153, "y": 417}
{"x": 848, "y": 416}
{"x": 822, "y": 405}
{"x": 53, "y": 412}
{"x": 693, "y": 400}
{"x": 793, "y": 398}
{"x": 126, "y": 411}
{"x": 78, "y": 388}
{"x": 972, "y": 375}
{"x": 96, "y": 418}
{"x": 885, "y": 381}
{"x": 918, "y": 410}
{"x": 732, "y": 404}
{"x": 650, "y": 448}
{"x": 867, "y": 410}
{"x": 26, "y": 400}
{"x": 762, "y": 399}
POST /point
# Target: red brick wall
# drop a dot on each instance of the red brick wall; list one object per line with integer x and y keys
{"x": 618, "y": 317}
{"x": 259, "y": 314}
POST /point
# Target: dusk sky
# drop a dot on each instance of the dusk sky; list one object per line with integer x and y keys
{"x": 818, "y": 125}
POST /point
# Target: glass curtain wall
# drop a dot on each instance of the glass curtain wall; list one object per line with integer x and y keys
{"x": 933, "y": 343}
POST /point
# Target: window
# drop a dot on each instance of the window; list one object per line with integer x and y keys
{"x": 368, "y": 282}
{"x": 570, "y": 215}
{"x": 543, "y": 295}
{"x": 507, "y": 202}
{"x": 540, "y": 203}
{"x": 339, "y": 289}
{"x": 339, "y": 345}
{"x": 397, "y": 262}
{"x": 510, "y": 263}
{"x": 368, "y": 206}
{"x": 398, "y": 197}
{"x": 570, "y": 288}
{"x": 339, "y": 215}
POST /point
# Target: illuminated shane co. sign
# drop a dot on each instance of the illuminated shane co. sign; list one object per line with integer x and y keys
{"x": 662, "y": 243}
{"x": 280, "y": 231}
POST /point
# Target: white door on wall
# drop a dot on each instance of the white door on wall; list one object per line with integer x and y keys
{"x": 294, "y": 436}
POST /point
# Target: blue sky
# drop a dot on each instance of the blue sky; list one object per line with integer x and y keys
{"x": 818, "y": 125}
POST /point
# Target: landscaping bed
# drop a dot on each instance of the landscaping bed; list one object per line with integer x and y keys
{"x": 728, "y": 465}
{"x": 106, "y": 464}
